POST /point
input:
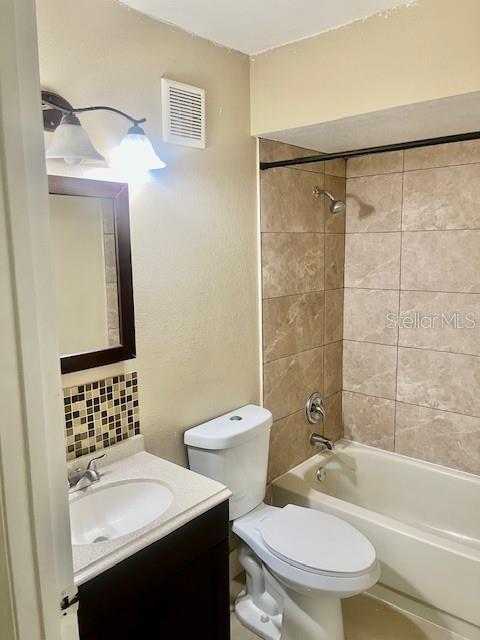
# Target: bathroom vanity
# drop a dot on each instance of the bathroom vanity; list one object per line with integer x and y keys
{"x": 174, "y": 588}
{"x": 143, "y": 572}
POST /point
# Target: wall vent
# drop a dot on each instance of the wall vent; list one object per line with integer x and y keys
{"x": 183, "y": 108}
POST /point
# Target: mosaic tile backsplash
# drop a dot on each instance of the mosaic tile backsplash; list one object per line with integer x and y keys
{"x": 99, "y": 414}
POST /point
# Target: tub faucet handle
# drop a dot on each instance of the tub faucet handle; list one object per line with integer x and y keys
{"x": 315, "y": 409}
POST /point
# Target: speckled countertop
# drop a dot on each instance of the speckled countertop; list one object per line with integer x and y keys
{"x": 193, "y": 495}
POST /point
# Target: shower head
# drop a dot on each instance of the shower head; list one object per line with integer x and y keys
{"x": 336, "y": 206}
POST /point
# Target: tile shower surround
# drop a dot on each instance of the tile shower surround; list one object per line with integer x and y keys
{"x": 302, "y": 274}
{"x": 413, "y": 247}
{"x": 100, "y": 414}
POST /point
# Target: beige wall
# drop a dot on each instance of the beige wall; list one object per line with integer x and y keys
{"x": 426, "y": 51}
{"x": 194, "y": 238}
{"x": 412, "y": 249}
{"x": 302, "y": 272}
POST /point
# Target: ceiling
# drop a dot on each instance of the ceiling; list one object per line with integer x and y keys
{"x": 253, "y": 26}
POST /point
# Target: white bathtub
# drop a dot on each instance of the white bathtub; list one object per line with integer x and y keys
{"x": 423, "y": 519}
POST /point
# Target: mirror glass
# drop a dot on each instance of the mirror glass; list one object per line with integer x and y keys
{"x": 86, "y": 274}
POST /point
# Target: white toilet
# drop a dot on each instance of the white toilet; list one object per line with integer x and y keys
{"x": 299, "y": 562}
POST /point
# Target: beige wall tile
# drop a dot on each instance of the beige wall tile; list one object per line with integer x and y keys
{"x": 372, "y": 260}
{"x": 271, "y": 151}
{"x": 336, "y": 167}
{"x": 333, "y": 315}
{"x": 441, "y": 321}
{"x": 334, "y": 260}
{"x": 311, "y": 167}
{"x": 445, "y": 198}
{"x": 447, "y": 381}
{"x": 332, "y": 368}
{"x": 287, "y": 202}
{"x": 369, "y": 420}
{"x": 369, "y": 368}
{"x": 443, "y": 155}
{"x": 375, "y": 164}
{"x": 292, "y": 324}
{"x": 368, "y": 315}
{"x": 290, "y": 381}
{"x": 289, "y": 444}
{"x": 438, "y": 436}
{"x": 374, "y": 203}
{"x": 335, "y": 223}
{"x": 292, "y": 263}
{"x": 333, "y": 427}
{"x": 441, "y": 261}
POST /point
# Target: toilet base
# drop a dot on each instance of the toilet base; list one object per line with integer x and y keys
{"x": 255, "y": 619}
{"x": 276, "y": 612}
{"x": 311, "y": 618}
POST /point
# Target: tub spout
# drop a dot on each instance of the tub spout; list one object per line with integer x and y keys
{"x": 320, "y": 441}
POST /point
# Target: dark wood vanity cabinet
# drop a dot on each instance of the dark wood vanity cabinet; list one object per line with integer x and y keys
{"x": 176, "y": 588}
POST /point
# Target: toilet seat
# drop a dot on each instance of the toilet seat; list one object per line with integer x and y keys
{"x": 317, "y": 542}
{"x": 301, "y": 578}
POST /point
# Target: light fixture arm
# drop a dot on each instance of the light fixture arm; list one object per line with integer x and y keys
{"x": 70, "y": 141}
{"x": 64, "y": 109}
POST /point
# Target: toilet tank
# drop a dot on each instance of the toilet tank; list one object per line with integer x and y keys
{"x": 233, "y": 449}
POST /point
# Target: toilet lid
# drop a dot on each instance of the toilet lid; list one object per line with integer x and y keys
{"x": 316, "y": 541}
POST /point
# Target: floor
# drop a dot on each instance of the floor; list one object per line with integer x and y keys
{"x": 238, "y": 631}
{"x": 369, "y": 619}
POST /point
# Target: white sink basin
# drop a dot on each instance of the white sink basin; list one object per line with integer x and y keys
{"x": 116, "y": 509}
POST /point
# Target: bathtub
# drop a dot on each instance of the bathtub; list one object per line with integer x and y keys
{"x": 423, "y": 519}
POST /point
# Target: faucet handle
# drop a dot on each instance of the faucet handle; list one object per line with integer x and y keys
{"x": 92, "y": 465}
{"x": 315, "y": 409}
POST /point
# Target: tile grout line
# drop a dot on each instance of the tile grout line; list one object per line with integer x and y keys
{"x": 429, "y": 168}
{"x": 301, "y": 410}
{"x": 301, "y": 293}
{"x": 399, "y": 305}
{"x": 404, "y": 346}
{"x": 412, "y": 404}
{"x": 324, "y": 302}
{"x": 391, "y": 231}
{"x": 314, "y": 231}
{"x": 371, "y": 175}
{"x": 460, "y": 293}
{"x": 298, "y": 353}
{"x": 343, "y": 294}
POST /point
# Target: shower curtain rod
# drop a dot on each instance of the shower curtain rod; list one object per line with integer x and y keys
{"x": 459, "y": 137}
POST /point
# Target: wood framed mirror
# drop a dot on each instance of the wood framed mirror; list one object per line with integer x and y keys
{"x": 93, "y": 271}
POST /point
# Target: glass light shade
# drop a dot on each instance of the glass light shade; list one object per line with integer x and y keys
{"x": 135, "y": 154}
{"x": 71, "y": 143}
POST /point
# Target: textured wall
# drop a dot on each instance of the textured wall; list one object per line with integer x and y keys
{"x": 424, "y": 51}
{"x": 302, "y": 273}
{"x": 194, "y": 227}
{"x": 413, "y": 249}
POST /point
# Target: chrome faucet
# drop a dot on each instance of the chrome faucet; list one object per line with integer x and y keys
{"x": 83, "y": 478}
{"x": 320, "y": 441}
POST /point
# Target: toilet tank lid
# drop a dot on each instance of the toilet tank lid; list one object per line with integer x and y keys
{"x": 230, "y": 429}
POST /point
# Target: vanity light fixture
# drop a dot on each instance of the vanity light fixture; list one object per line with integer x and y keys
{"x": 72, "y": 144}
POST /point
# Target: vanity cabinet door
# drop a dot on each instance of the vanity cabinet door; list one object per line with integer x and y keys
{"x": 176, "y": 588}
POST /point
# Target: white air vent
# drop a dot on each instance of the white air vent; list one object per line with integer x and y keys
{"x": 183, "y": 110}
